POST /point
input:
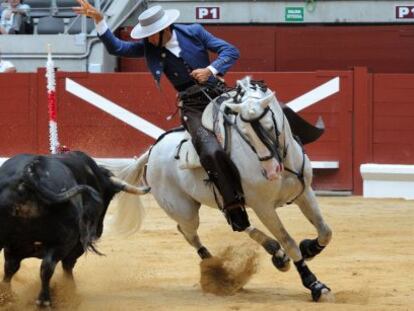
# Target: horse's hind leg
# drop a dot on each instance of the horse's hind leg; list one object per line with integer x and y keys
{"x": 309, "y": 207}
{"x": 191, "y": 236}
{"x": 184, "y": 210}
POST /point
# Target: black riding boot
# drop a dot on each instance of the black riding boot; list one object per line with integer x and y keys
{"x": 220, "y": 169}
{"x": 237, "y": 217}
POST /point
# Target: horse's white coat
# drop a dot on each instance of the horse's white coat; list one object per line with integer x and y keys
{"x": 180, "y": 192}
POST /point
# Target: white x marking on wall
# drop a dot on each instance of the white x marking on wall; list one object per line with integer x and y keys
{"x": 317, "y": 94}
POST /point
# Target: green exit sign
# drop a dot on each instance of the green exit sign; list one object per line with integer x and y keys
{"x": 293, "y": 14}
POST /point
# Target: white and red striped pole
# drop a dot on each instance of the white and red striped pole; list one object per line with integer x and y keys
{"x": 52, "y": 104}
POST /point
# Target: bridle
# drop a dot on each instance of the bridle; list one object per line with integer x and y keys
{"x": 272, "y": 143}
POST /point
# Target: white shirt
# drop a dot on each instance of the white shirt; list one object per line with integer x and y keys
{"x": 5, "y": 64}
{"x": 7, "y": 18}
{"x": 172, "y": 45}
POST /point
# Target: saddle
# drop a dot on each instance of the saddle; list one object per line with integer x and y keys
{"x": 214, "y": 119}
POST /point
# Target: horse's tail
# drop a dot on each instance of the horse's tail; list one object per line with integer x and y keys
{"x": 127, "y": 210}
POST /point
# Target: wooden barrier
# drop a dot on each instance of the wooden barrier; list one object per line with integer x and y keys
{"x": 370, "y": 119}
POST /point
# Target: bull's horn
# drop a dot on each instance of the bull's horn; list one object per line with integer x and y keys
{"x": 130, "y": 188}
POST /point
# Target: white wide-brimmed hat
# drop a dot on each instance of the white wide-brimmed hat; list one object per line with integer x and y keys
{"x": 153, "y": 20}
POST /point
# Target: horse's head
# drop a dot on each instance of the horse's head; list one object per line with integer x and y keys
{"x": 257, "y": 121}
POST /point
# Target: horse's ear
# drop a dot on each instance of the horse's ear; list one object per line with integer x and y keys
{"x": 267, "y": 100}
{"x": 235, "y": 107}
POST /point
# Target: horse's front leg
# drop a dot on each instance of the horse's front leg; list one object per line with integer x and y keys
{"x": 269, "y": 217}
{"x": 309, "y": 207}
{"x": 279, "y": 258}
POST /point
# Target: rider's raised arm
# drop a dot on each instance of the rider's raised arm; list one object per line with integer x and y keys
{"x": 116, "y": 46}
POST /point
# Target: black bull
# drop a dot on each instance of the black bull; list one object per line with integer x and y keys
{"x": 52, "y": 207}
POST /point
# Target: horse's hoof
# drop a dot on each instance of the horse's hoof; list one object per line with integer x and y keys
{"x": 281, "y": 263}
{"x": 320, "y": 292}
{"x": 43, "y": 303}
{"x": 327, "y": 296}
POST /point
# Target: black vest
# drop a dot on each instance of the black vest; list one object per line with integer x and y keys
{"x": 176, "y": 70}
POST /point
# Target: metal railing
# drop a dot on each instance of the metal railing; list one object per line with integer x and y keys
{"x": 89, "y": 43}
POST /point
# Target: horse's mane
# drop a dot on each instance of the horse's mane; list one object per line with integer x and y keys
{"x": 245, "y": 85}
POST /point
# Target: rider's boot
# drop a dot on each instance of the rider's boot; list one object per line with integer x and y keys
{"x": 236, "y": 216}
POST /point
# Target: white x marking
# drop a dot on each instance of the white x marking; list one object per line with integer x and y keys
{"x": 321, "y": 92}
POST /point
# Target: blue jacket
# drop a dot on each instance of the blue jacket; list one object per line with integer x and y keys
{"x": 194, "y": 41}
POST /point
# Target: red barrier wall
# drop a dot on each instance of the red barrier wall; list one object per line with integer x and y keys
{"x": 393, "y": 119}
{"x": 370, "y": 120}
{"x": 18, "y": 113}
{"x": 312, "y": 47}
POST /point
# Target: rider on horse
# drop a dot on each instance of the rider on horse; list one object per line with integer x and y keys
{"x": 181, "y": 53}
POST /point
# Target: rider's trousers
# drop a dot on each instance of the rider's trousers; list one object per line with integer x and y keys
{"x": 218, "y": 165}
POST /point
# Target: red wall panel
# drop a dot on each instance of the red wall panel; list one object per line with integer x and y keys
{"x": 344, "y": 47}
{"x": 370, "y": 120}
{"x": 393, "y": 119}
{"x": 17, "y": 113}
{"x": 362, "y": 124}
{"x": 89, "y": 128}
{"x": 312, "y": 47}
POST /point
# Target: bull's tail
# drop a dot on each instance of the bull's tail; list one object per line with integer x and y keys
{"x": 50, "y": 196}
{"x": 128, "y": 211}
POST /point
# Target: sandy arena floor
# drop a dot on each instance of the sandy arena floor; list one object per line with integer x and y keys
{"x": 369, "y": 265}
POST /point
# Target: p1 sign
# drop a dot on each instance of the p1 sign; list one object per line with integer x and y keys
{"x": 404, "y": 12}
{"x": 207, "y": 13}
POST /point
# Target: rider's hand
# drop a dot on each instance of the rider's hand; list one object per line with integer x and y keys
{"x": 88, "y": 10}
{"x": 201, "y": 74}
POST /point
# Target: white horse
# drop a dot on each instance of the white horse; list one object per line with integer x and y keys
{"x": 274, "y": 171}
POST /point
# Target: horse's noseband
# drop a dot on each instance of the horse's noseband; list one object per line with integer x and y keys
{"x": 266, "y": 110}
